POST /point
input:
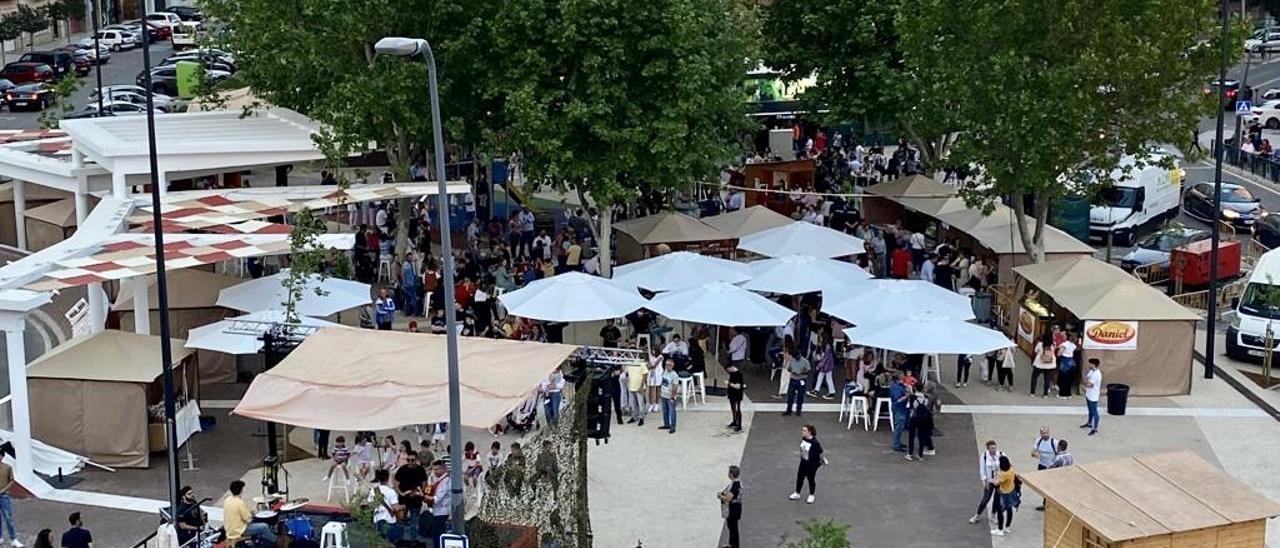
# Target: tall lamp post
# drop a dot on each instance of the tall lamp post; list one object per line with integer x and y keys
{"x": 1218, "y": 150}
{"x": 97, "y": 49}
{"x": 409, "y": 47}
{"x": 162, "y": 285}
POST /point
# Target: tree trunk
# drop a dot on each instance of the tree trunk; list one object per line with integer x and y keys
{"x": 1032, "y": 243}
{"x": 605, "y": 240}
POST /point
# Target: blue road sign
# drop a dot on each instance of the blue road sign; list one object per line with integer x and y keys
{"x": 1244, "y": 107}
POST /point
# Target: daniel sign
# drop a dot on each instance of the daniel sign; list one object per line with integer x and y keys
{"x": 1110, "y": 335}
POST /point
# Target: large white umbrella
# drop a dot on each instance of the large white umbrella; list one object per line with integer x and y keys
{"x": 929, "y": 333}
{"x": 679, "y": 270}
{"x": 571, "y": 297}
{"x": 796, "y": 274}
{"x": 269, "y": 293}
{"x": 719, "y": 303}
{"x": 241, "y": 335}
{"x": 883, "y": 301}
{"x": 802, "y": 238}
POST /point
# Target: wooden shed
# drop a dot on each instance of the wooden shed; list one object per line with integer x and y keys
{"x": 1172, "y": 500}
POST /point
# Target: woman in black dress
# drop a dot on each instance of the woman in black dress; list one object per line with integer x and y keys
{"x": 811, "y": 458}
{"x": 737, "y": 385}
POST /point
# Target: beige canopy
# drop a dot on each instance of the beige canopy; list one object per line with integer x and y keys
{"x": 913, "y": 186}
{"x": 350, "y": 379}
{"x": 90, "y": 395}
{"x": 998, "y": 231}
{"x": 1150, "y": 496}
{"x": 53, "y": 222}
{"x": 1094, "y": 290}
{"x": 747, "y": 221}
{"x": 34, "y": 195}
{"x": 669, "y": 227}
{"x": 192, "y": 297}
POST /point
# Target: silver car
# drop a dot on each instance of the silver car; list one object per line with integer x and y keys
{"x": 1156, "y": 247}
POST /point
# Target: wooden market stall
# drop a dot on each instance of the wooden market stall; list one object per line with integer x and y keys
{"x": 1142, "y": 337}
{"x": 53, "y": 222}
{"x": 35, "y": 196}
{"x": 780, "y": 179}
{"x": 100, "y": 396}
{"x": 653, "y": 235}
{"x": 889, "y": 201}
{"x": 1172, "y": 500}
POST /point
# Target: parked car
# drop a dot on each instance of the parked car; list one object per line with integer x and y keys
{"x": 1234, "y": 92}
{"x": 1267, "y": 114}
{"x": 6, "y": 85}
{"x": 187, "y": 13}
{"x": 123, "y": 96}
{"x": 63, "y": 63}
{"x": 1263, "y": 41}
{"x": 157, "y": 97}
{"x": 164, "y": 79}
{"x": 155, "y": 33}
{"x": 207, "y": 61}
{"x": 22, "y": 73}
{"x": 120, "y": 108}
{"x": 34, "y": 96}
{"x": 114, "y": 39}
{"x": 163, "y": 19}
{"x": 1267, "y": 231}
{"x": 1271, "y": 94}
{"x": 1239, "y": 207}
{"x": 86, "y": 53}
{"x": 1157, "y": 246}
{"x": 185, "y": 35}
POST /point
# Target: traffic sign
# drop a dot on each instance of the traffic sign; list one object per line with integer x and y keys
{"x": 454, "y": 541}
{"x": 1244, "y": 107}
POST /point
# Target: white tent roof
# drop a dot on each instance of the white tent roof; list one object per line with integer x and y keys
{"x": 929, "y": 333}
{"x": 679, "y": 270}
{"x": 571, "y": 297}
{"x": 802, "y": 238}
{"x": 269, "y": 293}
{"x": 796, "y": 274}
{"x": 887, "y": 300}
{"x": 196, "y": 141}
{"x": 719, "y": 303}
{"x": 241, "y": 334}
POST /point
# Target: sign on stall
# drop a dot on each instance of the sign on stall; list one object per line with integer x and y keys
{"x": 1026, "y": 325}
{"x": 1110, "y": 335}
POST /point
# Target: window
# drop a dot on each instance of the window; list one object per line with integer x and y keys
{"x": 1093, "y": 540}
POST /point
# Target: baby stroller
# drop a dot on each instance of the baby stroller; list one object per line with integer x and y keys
{"x": 524, "y": 418}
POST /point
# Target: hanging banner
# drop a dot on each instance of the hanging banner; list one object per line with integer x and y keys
{"x": 1110, "y": 335}
{"x": 1026, "y": 325}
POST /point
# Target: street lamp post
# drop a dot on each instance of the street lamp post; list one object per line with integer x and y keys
{"x": 1214, "y": 237}
{"x": 97, "y": 50}
{"x": 409, "y": 47}
{"x": 162, "y": 286}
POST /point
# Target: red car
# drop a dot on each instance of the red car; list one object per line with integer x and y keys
{"x": 23, "y": 73}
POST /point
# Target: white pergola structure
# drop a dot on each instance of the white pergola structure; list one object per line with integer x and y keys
{"x": 109, "y": 157}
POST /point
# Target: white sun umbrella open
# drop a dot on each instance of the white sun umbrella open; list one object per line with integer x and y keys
{"x": 571, "y": 297}
{"x": 242, "y": 334}
{"x": 883, "y": 301}
{"x": 796, "y": 274}
{"x": 719, "y": 303}
{"x": 802, "y": 238}
{"x": 679, "y": 270}
{"x": 269, "y": 293}
{"x": 929, "y": 333}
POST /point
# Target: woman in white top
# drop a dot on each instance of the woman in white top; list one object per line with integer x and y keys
{"x": 654, "y": 377}
{"x": 389, "y": 454}
{"x": 1044, "y": 363}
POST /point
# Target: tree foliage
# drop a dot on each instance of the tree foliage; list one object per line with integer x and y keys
{"x": 821, "y": 533}
{"x": 1046, "y": 92}
{"x": 9, "y": 30}
{"x": 32, "y": 20}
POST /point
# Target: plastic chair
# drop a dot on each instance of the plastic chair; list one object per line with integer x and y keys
{"x": 858, "y": 410}
{"x": 334, "y": 535}
{"x": 887, "y": 405}
{"x": 700, "y": 386}
{"x": 345, "y": 485}
{"x": 686, "y": 386}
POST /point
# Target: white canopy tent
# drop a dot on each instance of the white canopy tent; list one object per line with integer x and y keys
{"x": 242, "y": 334}
{"x": 796, "y": 274}
{"x": 882, "y": 301}
{"x": 571, "y": 297}
{"x": 269, "y": 292}
{"x": 679, "y": 270}
{"x": 929, "y": 333}
{"x": 802, "y": 238}
{"x": 719, "y": 303}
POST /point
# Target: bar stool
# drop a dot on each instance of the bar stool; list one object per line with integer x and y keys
{"x": 345, "y": 485}
{"x": 887, "y": 405}
{"x": 686, "y": 385}
{"x": 700, "y": 386}
{"x": 384, "y": 267}
{"x": 334, "y": 535}
{"x": 931, "y": 365}
{"x": 858, "y": 410}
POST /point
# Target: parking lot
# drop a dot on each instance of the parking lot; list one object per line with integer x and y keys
{"x": 123, "y": 67}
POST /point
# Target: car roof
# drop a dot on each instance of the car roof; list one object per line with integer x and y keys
{"x": 26, "y": 64}
{"x": 30, "y": 87}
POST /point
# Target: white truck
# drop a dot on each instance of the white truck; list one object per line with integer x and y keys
{"x": 1138, "y": 200}
{"x": 1257, "y": 307}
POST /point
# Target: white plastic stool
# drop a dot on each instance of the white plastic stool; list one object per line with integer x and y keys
{"x": 931, "y": 365}
{"x": 345, "y": 485}
{"x": 700, "y": 386}
{"x": 888, "y": 407}
{"x": 384, "y": 267}
{"x": 844, "y": 404}
{"x": 686, "y": 385}
{"x": 858, "y": 410}
{"x": 334, "y": 535}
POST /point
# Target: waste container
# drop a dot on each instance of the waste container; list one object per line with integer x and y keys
{"x": 981, "y": 303}
{"x": 1117, "y": 398}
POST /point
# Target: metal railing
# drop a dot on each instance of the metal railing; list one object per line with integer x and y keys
{"x": 1152, "y": 273}
{"x": 1267, "y": 167}
{"x": 1198, "y": 301}
{"x": 1001, "y": 305}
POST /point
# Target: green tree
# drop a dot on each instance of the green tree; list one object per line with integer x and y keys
{"x": 602, "y": 96}
{"x": 32, "y": 20}
{"x": 61, "y": 12}
{"x": 9, "y": 30}
{"x": 1046, "y": 92}
{"x": 821, "y": 533}
{"x": 63, "y": 90}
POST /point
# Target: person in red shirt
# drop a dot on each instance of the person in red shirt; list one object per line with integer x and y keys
{"x": 464, "y": 292}
{"x": 900, "y": 263}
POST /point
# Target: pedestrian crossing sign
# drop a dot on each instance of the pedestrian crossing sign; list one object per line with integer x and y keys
{"x": 453, "y": 541}
{"x": 1244, "y": 107}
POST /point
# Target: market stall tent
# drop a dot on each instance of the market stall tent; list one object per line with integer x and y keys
{"x": 52, "y": 222}
{"x": 192, "y": 297}
{"x": 34, "y": 196}
{"x": 640, "y": 238}
{"x": 747, "y": 221}
{"x": 1167, "y": 500}
{"x": 91, "y": 396}
{"x": 918, "y": 192}
{"x": 1154, "y": 356}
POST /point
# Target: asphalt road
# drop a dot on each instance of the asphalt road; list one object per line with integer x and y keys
{"x": 123, "y": 68}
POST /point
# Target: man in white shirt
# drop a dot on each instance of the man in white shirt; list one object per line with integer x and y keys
{"x": 736, "y": 200}
{"x": 1092, "y": 382}
{"x": 1066, "y": 366}
{"x": 441, "y": 501}
{"x": 383, "y": 498}
{"x": 926, "y": 269}
{"x": 988, "y": 464}
{"x": 915, "y": 244}
{"x": 542, "y": 246}
{"x": 738, "y": 348}
{"x": 676, "y": 347}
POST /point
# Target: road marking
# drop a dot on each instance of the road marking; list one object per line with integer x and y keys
{"x": 1028, "y": 409}
{"x": 1244, "y": 176}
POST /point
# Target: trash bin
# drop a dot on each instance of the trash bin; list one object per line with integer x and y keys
{"x": 1117, "y": 398}
{"x": 981, "y": 303}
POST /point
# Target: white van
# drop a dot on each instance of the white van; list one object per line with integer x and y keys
{"x": 1140, "y": 200}
{"x": 1258, "y": 305}
{"x": 185, "y": 35}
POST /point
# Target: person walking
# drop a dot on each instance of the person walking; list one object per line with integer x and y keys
{"x": 964, "y": 363}
{"x": 1005, "y": 497}
{"x": 811, "y": 458}
{"x": 6, "y": 505}
{"x": 731, "y": 506}
{"x": 988, "y": 465}
{"x": 1066, "y": 366}
{"x": 669, "y": 390}
{"x": 551, "y": 389}
{"x": 75, "y": 537}
{"x": 735, "y": 391}
{"x": 1044, "y": 365}
{"x": 826, "y": 357}
{"x": 899, "y": 412}
{"x": 919, "y": 426}
{"x": 1044, "y": 450}
{"x": 799, "y": 369}
{"x": 1092, "y": 391}
{"x": 636, "y": 374}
